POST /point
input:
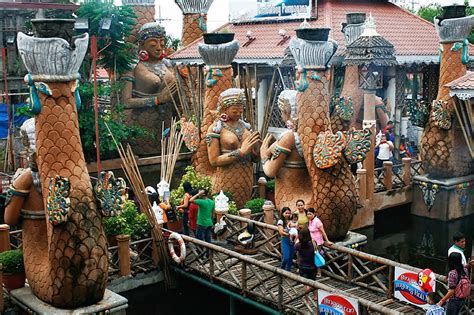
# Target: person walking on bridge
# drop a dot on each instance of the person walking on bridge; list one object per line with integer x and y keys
{"x": 287, "y": 247}
{"x": 459, "y": 245}
{"x": 318, "y": 234}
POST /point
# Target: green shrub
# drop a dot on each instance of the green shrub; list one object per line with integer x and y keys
{"x": 140, "y": 227}
{"x": 197, "y": 182}
{"x": 116, "y": 226}
{"x": 255, "y": 205}
{"x": 12, "y": 261}
{"x": 233, "y": 208}
{"x": 270, "y": 185}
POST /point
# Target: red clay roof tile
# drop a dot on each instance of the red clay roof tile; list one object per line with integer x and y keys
{"x": 410, "y": 34}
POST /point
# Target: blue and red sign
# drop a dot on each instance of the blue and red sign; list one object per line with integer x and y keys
{"x": 407, "y": 288}
{"x": 335, "y": 304}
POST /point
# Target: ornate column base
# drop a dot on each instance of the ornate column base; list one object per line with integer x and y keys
{"x": 112, "y": 303}
{"x": 443, "y": 199}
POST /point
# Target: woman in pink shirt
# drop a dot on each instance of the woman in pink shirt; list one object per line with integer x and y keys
{"x": 318, "y": 235}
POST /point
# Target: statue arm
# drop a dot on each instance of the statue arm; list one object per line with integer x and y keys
{"x": 214, "y": 152}
{"x": 21, "y": 188}
{"x": 135, "y": 102}
{"x": 280, "y": 151}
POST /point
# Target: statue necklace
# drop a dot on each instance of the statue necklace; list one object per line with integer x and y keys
{"x": 159, "y": 68}
{"x": 237, "y": 130}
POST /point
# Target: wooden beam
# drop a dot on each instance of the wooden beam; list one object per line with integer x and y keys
{"x": 115, "y": 164}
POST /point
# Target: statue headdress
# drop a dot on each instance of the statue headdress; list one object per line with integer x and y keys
{"x": 287, "y": 103}
{"x": 231, "y": 97}
{"x": 151, "y": 30}
{"x": 28, "y": 135}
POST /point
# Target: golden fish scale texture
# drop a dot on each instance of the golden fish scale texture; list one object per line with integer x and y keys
{"x": 444, "y": 152}
{"x": 151, "y": 119}
{"x": 201, "y": 158}
{"x": 191, "y": 30}
{"x": 145, "y": 14}
{"x": 334, "y": 195}
{"x": 76, "y": 272}
{"x": 237, "y": 179}
{"x": 292, "y": 184}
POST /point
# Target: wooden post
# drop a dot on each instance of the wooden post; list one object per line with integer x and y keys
{"x": 370, "y": 122}
{"x": 349, "y": 268}
{"x": 362, "y": 175}
{"x": 155, "y": 257}
{"x": 244, "y": 278}
{"x": 268, "y": 210}
{"x": 245, "y": 213}
{"x": 2, "y": 303}
{"x": 4, "y": 237}
{"x": 211, "y": 264}
{"x": 262, "y": 187}
{"x": 406, "y": 170}
{"x": 391, "y": 275}
{"x": 280, "y": 292}
{"x": 388, "y": 174}
{"x": 123, "y": 242}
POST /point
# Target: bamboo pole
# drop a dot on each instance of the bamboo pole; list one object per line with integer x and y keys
{"x": 268, "y": 106}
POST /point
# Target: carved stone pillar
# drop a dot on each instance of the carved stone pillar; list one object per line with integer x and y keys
{"x": 145, "y": 12}
{"x": 194, "y": 19}
{"x": 218, "y": 59}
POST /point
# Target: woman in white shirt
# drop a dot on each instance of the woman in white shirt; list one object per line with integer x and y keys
{"x": 385, "y": 151}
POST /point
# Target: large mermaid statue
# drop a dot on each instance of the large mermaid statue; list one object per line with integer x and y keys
{"x": 231, "y": 147}
{"x": 332, "y": 183}
{"x": 284, "y": 158}
{"x": 148, "y": 88}
{"x": 63, "y": 240}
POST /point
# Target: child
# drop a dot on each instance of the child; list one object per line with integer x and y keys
{"x": 434, "y": 308}
{"x": 293, "y": 227}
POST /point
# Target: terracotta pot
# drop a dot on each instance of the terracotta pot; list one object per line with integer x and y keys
{"x": 14, "y": 281}
{"x": 314, "y": 34}
{"x": 175, "y": 226}
{"x": 218, "y": 38}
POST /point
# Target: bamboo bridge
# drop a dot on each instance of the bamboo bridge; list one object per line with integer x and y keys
{"x": 258, "y": 277}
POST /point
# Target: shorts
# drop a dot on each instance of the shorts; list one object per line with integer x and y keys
{"x": 308, "y": 272}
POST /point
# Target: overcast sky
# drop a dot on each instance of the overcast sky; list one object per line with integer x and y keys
{"x": 218, "y": 14}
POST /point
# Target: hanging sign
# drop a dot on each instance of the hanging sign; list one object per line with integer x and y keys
{"x": 251, "y": 10}
{"x": 336, "y": 304}
{"x": 407, "y": 287}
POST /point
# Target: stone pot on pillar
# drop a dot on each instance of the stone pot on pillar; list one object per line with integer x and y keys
{"x": 53, "y": 65}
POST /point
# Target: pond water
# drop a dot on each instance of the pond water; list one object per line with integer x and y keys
{"x": 396, "y": 235}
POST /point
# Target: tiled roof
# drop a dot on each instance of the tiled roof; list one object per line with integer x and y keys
{"x": 466, "y": 82}
{"x": 410, "y": 34}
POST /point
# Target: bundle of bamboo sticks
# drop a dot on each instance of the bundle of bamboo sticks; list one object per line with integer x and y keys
{"x": 132, "y": 172}
{"x": 170, "y": 147}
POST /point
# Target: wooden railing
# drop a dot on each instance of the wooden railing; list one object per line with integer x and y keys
{"x": 395, "y": 176}
{"x": 349, "y": 266}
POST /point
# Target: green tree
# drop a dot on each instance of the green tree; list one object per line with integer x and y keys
{"x": 116, "y": 55}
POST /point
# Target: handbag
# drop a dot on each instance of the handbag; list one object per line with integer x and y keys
{"x": 319, "y": 260}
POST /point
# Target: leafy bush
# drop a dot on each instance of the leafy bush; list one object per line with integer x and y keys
{"x": 233, "y": 208}
{"x": 270, "y": 186}
{"x": 116, "y": 226}
{"x": 129, "y": 222}
{"x": 197, "y": 182}
{"x": 12, "y": 261}
{"x": 114, "y": 119}
{"x": 255, "y": 205}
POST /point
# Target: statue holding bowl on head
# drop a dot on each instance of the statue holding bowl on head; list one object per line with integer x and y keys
{"x": 148, "y": 88}
{"x": 232, "y": 146}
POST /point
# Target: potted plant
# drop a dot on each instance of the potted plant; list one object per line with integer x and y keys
{"x": 114, "y": 226}
{"x": 13, "y": 269}
{"x": 270, "y": 190}
{"x": 224, "y": 36}
{"x": 255, "y": 205}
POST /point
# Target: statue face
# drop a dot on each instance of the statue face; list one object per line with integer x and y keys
{"x": 285, "y": 116}
{"x": 234, "y": 112}
{"x": 154, "y": 47}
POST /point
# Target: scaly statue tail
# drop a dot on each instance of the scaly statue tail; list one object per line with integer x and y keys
{"x": 194, "y": 19}
{"x": 218, "y": 78}
{"x": 443, "y": 150}
{"x": 66, "y": 263}
{"x": 334, "y": 195}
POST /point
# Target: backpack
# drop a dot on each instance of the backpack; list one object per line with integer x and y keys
{"x": 463, "y": 288}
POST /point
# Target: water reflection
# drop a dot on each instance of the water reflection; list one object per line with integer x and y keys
{"x": 417, "y": 241}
